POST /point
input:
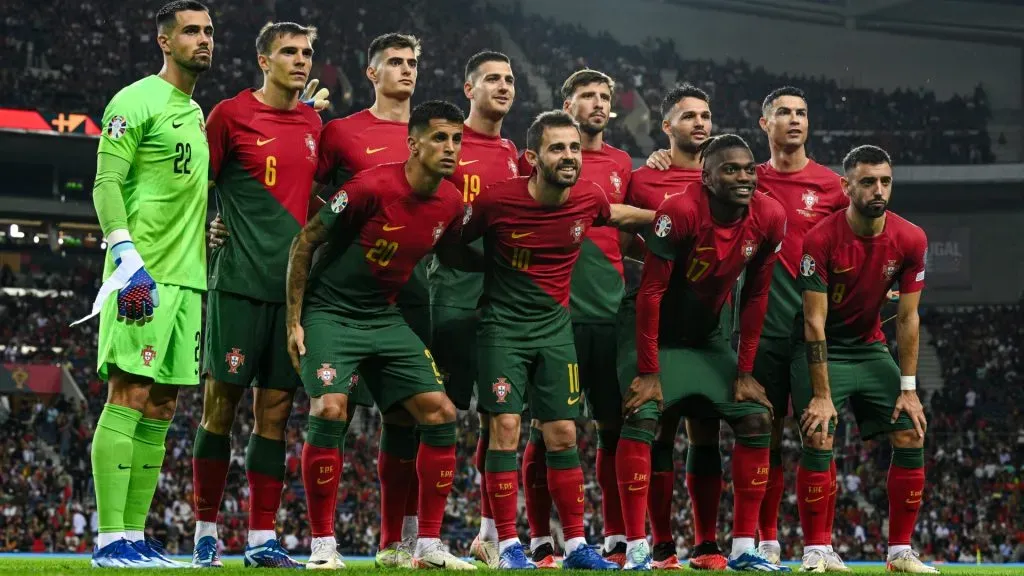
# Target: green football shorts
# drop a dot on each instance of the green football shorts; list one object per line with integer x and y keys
{"x": 595, "y": 348}
{"x": 773, "y": 369}
{"x": 549, "y": 377}
{"x": 247, "y": 342}
{"x": 454, "y": 347}
{"x": 165, "y": 349}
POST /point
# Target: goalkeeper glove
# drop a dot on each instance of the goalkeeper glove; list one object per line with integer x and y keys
{"x": 318, "y": 99}
{"x": 138, "y": 297}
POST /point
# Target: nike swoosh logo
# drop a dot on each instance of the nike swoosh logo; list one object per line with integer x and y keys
{"x": 150, "y": 467}
{"x": 809, "y": 500}
{"x": 635, "y": 488}
{"x": 842, "y": 270}
{"x": 390, "y": 228}
{"x": 123, "y": 467}
{"x": 758, "y": 482}
{"x": 518, "y": 235}
{"x": 375, "y": 150}
{"x": 467, "y": 162}
{"x": 909, "y": 501}
{"x": 434, "y": 564}
{"x": 504, "y": 495}
{"x": 705, "y": 248}
{"x": 442, "y": 485}
{"x": 573, "y": 401}
{"x": 261, "y": 142}
{"x": 669, "y": 194}
{"x": 322, "y": 482}
{"x": 176, "y": 124}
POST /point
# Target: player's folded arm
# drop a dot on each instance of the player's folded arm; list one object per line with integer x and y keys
{"x": 629, "y": 217}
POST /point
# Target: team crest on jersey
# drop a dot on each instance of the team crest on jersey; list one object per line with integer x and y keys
{"x": 438, "y": 231}
{"x": 116, "y": 128}
{"x": 616, "y": 181}
{"x": 311, "y": 146}
{"x": 576, "y": 231}
{"x": 501, "y": 388}
{"x": 148, "y": 355}
{"x": 235, "y": 360}
{"x": 663, "y": 226}
{"x": 807, "y": 266}
{"x": 326, "y": 374}
{"x": 889, "y": 270}
{"x": 749, "y": 247}
{"x": 809, "y": 198}
{"x": 467, "y": 214}
{"x": 512, "y": 168}
{"x": 339, "y": 202}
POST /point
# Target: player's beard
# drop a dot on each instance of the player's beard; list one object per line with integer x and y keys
{"x": 553, "y": 177}
{"x": 872, "y": 211}
{"x": 194, "y": 64}
{"x": 685, "y": 145}
{"x": 592, "y": 129}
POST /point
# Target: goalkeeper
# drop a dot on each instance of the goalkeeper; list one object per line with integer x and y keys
{"x": 150, "y": 195}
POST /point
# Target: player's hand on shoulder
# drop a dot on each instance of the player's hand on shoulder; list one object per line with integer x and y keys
{"x": 138, "y": 296}
{"x": 318, "y": 99}
{"x": 218, "y": 233}
{"x": 660, "y": 160}
{"x": 748, "y": 389}
{"x": 643, "y": 389}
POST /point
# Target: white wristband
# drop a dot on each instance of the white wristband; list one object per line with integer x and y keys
{"x": 908, "y": 383}
{"x": 118, "y": 236}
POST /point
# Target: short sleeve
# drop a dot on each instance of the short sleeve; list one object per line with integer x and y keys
{"x": 218, "y": 135}
{"x": 603, "y": 208}
{"x": 125, "y": 123}
{"x": 914, "y": 261}
{"x": 672, "y": 223}
{"x": 354, "y": 202}
{"x": 814, "y": 262}
{"x": 327, "y": 157}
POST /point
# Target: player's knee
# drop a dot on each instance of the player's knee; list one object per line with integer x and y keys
{"x": 817, "y": 441}
{"x": 220, "y": 400}
{"x": 161, "y": 403}
{"x": 906, "y": 439}
{"x": 128, "y": 390}
{"x": 441, "y": 412}
{"x": 703, "y": 431}
{"x": 271, "y": 409}
{"x": 559, "y": 435}
{"x": 329, "y": 407}
{"x": 753, "y": 425}
{"x": 504, "y": 431}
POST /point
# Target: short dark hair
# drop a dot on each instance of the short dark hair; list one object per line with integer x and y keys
{"x": 392, "y": 40}
{"x": 479, "y": 58}
{"x": 774, "y": 95}
{"x": 549, "y": 119}
{"x": 681, "y": 91}
{"x": 866, "y": 154}
{"x": 273, "y": 30}
{"x": 167, "y": 15}
{"x": 717, "y": 144}
{"x": 584, "y": 77}
{"x": 434, "y": 110}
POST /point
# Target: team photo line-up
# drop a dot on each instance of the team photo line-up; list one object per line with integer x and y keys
{"x": 410, "y": 258}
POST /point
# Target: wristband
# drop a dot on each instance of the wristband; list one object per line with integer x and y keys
{"x": 908, "y": 383}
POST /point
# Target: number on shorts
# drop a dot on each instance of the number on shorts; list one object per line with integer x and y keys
{"x": 574, "y": 378}
{"x": 520, "y": 258}
{"x": 697, "y": 269}
{"x": 838, "y": 292}
{"x": 382, "y": 252}
{"x": 433, "y": 366}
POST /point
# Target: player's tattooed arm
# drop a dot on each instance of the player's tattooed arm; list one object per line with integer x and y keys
{"x": 630, "y": 217}
{"x": 820, "y": 412}
{"x": 300, "y": 258}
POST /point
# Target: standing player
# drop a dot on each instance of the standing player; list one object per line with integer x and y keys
{"x": 809, "y": 192}
{"x": 716, "y": 230}
{"x": 850, "y": 260}
{"x": 262, "y": 161}
{"x": 378, "y": 227}
{"x": 686, "y": 120}
{"x": 486, "y": 158}
{"x": 533, "y": 228}
{"x": 153, "y": 152}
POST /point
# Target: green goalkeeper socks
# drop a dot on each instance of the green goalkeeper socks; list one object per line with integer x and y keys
{"x": 147, "y": 458}
{"x": 112, "y": 463}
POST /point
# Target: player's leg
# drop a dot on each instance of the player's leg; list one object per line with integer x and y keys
{"x": 537, "y": 497}
{"x": 501, "y": 386}
{"x": 595, "y": 349}
{"x": 659, "y": 498}
{"x": 704, "y": 485}
{"x": 396, "y": 463}
{"x": 229, "y": 365}
{"x": 333, "y": 351}
{"x": 772, "y": 370}
{"x": 555, "y": 400}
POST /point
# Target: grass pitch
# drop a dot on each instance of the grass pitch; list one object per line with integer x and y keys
{"x": 59, "y": 565}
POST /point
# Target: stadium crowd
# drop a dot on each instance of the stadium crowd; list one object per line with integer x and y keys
{"x": 56, "y": 57}
{"x": 975, "y": 452}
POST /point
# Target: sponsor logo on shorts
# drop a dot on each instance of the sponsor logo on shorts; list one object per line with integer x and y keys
{"x": 235, "y": 360}
{"x": 148, "y": 355}
{"x": 501, "y": 388}
{"x": 326, "y": 374}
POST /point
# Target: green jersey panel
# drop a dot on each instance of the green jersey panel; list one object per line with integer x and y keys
{"x": 784, "y": 303}
{"x": 525, "y": 317}
{"x": 160, "y": 131}
{"x": 455, "y": 288}
{"x": 597, "y": 286}
{"x": 342, "y": 282}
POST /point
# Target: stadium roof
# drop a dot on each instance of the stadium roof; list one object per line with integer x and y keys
{"x": 987, "y": 21}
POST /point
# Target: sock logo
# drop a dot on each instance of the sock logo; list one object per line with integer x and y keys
{"x": 235, "y": 360}
{"x": 443, "y": 484}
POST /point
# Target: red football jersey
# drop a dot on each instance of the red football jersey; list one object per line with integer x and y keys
{"x": 648, "y": 187}
{"x": 530, "y": 251}
{"x": 262, "y": 161}
{"x": 808, "y": 196}
{"x": 857, "y": 272}
{"x": 484, "y": 160}
{"x": 357, "y": 142}
{"x": 712, "y": 256}
{"x": 380, "y": 229}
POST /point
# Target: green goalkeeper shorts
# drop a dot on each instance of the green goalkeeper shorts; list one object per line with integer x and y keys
{"x": 165, "y": 349}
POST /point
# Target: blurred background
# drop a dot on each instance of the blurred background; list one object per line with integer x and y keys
{"x": 936, "y": 83}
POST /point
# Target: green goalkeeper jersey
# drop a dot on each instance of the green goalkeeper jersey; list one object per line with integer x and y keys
{"x": 159, "y": 130}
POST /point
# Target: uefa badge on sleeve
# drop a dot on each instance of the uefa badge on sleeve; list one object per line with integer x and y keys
{"x": 807, "y": 266}
{"x": 116, "y": 127}
{"x": 663, "y": 226}
{"x": 339, "y": 202}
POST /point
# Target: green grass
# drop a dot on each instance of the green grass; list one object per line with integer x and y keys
{"x": 9, "y": 565}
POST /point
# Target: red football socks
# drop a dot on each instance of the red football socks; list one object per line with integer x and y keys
{"x": 435, "y": 467}
{"x": 481, "y": 466}
{"x": 210, "y": 462}
{"x": 768, "y": 519}
{"x": 321, "y": 472}
{"x": 503, "y": 491}
{"x": 565, "y": 480}
{"x": 535, "y": 486}
{"x": 633, "y": 469}
{"x": 750, "y": 481}
{"x": 611, "y": 507}
{"x": 906, "y": 490}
